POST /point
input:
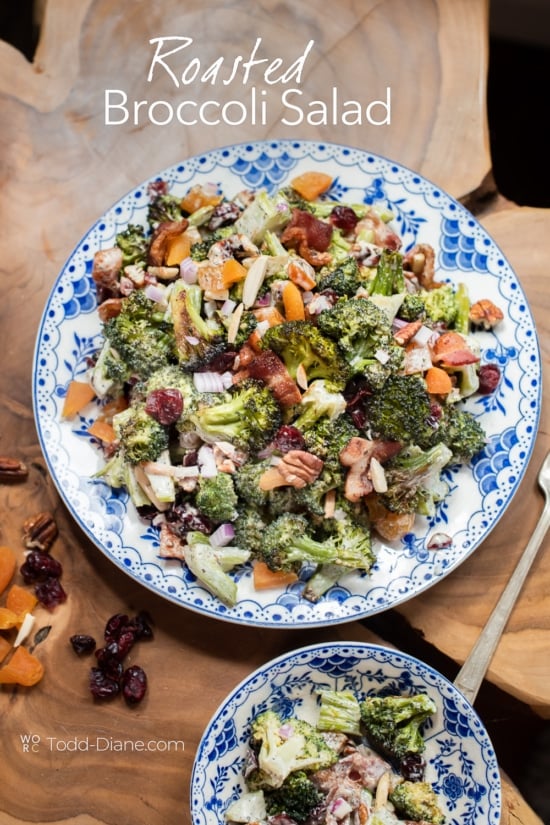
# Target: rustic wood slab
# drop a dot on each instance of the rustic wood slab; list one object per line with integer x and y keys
{"x": 61, "y": 167}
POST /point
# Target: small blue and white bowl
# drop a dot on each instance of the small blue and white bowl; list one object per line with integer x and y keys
{"x": 460, "y": 759}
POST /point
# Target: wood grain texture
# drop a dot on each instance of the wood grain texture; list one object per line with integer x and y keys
{"x": 60, "y": 168}
{"x": 451, "y": 613}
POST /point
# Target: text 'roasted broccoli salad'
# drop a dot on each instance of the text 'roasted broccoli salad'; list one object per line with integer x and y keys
{"x": 361, "y": 762}
{"x": 279, "y": 381}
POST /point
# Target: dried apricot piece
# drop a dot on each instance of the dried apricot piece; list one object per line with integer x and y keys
{"x": 22, "y": 669}
{"x": 5, "y": 648}
{"x": 8, "y": 619}
{"x": 7, "y": 566}
{"x": 20, "y": 601}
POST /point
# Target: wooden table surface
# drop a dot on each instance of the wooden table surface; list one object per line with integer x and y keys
{"x": 61, "y": 166}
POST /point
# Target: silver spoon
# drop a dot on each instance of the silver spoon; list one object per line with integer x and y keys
{"x": 472, "y": 673}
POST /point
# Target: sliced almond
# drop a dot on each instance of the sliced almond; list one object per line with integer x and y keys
{"x": 254, "y": 280}
{"x": 234, "y": 324}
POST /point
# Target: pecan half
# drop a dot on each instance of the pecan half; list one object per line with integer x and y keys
{"x": 11, "y": 469}
{"x": 297, "y": 468}
{"x": 485, "y": 314}
{"x": 40, "y": 531}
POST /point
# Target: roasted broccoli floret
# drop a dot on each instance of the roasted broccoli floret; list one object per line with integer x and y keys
{"x": 210, "y": 565}
{"x": 170, "y": 377}
{"x": 320, "y": 400}
{"x": 247, "y": 482}
{"x": 297, "y": 797}
{"x": 339, "y": 711}
{"x": 248, "y": 416}
{"x": 141, "y": 336}
{"x": 417, "y": 801}
{"x": 441, "y": 305}
{"x": 249, "y": 529}
{"x": 286, "y": 544}
{"x": 198, "y": 339}
{"x": 402, "y": 411}
{"x": 412, "y": 307}
{"x": 364, "y": 337}
{"x": 311, "y": 498}
{"x": 393, "y": 723}
{"x": 352, "y": 541}
{"x": 389, "y": 278}
{"x": 247, "y": 325}
{"x": 216, "y": 498}
{"x": 163, "y": 208}
{"x": 263, "y": 214}
{"x": 133, "y": 244}
{"x": 328, "y": 438}
{"x": 140, "y": 436}
{"x": 461, "y": 433}
{"x": 300, "y": 343}
{"x": 283, "y": 746}
{"x": 344, "y": 280}
{"x": 414, "y": 480}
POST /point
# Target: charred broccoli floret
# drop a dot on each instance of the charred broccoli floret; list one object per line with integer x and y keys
{"x": 412, "y": 307}
{"x": 393, "y": 723}
{"x": 164, "y": 207}
{"x": 364, "y": 337}
{"x": 133, "y": 244}
{"x": 402, "y": 411}
{"x": 417, "y": 801}
{"x": 287, "y": 545}
{"x": 414, "y": 480}
{"x": 141, "y": 336}
{"x": 320, "y": 400}
{"x": 389, "y": 278}
{"x": 300, "y": 343}
{"x": 247, "y": 416}
{"x": 198, "y": 339}
{"x": 247, "y": 325}
{"x": 352, "y": 541}
{"x": 140, "y": 436}
{"x": 247, "y": 482}
{"x": 328, "y": 438}
{"x": 339, "y": 711}
{"x": 283, "y": 746}
{"x": 249, "y": 529}
{"x": 297, "y": 797}
{"x": 216, "y": 498}
{"x": 461, "y": 432}
{"x": 344, "y": 280}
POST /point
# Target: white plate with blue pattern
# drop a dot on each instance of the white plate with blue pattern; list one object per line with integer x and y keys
{"x": 70, "y": 333}
{"x": 460, "y": 759}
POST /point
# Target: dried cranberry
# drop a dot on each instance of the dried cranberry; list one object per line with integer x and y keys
{"x": 224, "y": 213}
{"x": 101, "y": 685}
{"x": 344, "y": 218}
{"x": 222, "y": 362}
{"x": 40, "y": 566}
{"x": 142, "y": 625}
{"x": 356, "y": 393}
{"x": 183, "y": 518}
{"x": 50, "y": 593}
{"x": 156, "y": 188}
{"x": 114, "y": 627}
{"x": 82, "y": 644}
{"x": 412, "y": 767}
{"x": 288, "y": 438}
{"x": 134, "y": 684}
{"x": 489, "y": 377}
{"x": 165, "y": 406}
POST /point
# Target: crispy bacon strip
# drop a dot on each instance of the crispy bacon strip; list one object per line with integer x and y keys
{"x": 309, "y": 236}
{"x": 269, "y": 368}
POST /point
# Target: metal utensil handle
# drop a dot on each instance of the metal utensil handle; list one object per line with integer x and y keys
{"x": 473, "y": 671}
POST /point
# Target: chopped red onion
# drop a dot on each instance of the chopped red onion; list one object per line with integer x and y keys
{"x": 223, "y": 535}
{"x": 227, "y": 379}
{"x": 439, "y": 541}
{"x": 307, "y": 296}
{"x": 210, "y": 308}
{"x": 263, "y": 300}
{"x": 189, "y": 271}
{"x": 207, "y": 462}
{"x": 155, "y": 293}
{"x": 209, "y": 382}
{"x": 227, "y": 307}
{"x": 192, "y": 339}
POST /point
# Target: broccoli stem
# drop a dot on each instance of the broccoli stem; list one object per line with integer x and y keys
{"x": 389, "y": 278}
{"x": 462, "y": 320}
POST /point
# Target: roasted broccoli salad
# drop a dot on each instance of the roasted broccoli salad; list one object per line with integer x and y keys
{"x": 279, "y": 381}
{"x": 360, "y": 762}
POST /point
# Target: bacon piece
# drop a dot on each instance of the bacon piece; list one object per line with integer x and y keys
{"x": 106, "y": 269}
{"x": 269, "y": 368}
{"x": 384, "y": 236}
{"x": 159, "y": 241}
{"x": 110, "y": 308}
{"x": 309, "y": 236}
